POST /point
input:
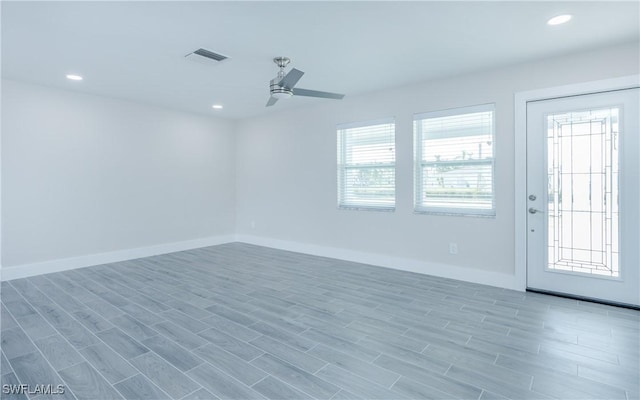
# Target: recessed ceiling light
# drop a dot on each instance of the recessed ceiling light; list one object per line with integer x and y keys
{"x": 559, "y": 19}
{"x": 74, "y": 77}
{"x": 217, "y": 106}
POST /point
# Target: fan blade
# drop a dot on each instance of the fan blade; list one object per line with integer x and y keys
{"x": 316, "y": 93}
{"x": 290, "y": 79}
{"x": 272, "y": 101}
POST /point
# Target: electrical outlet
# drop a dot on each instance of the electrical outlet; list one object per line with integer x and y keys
{"x": 253, "y": 224}
{"x": 453, "y": 248}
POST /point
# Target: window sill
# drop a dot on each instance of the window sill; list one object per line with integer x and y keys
{"x": 361, "y": 208}
{"x": 461, "y": 213}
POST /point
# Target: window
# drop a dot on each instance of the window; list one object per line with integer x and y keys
{"x": 454, "y": 161}
{"x": 367, "y": 165}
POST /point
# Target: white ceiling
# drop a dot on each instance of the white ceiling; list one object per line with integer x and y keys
{"x": 135, "y": 50}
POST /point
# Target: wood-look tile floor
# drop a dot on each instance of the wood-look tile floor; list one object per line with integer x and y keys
{"x": 241, "y": 322}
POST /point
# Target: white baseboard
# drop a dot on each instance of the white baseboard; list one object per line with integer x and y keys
{"x": 404, "y": 264}
{"x": 46, "y": 267}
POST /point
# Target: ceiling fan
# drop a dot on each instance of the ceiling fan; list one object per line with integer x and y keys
{"x": 282, "y": 86}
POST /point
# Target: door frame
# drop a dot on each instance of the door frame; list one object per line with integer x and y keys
{"x": 520, "y": 118}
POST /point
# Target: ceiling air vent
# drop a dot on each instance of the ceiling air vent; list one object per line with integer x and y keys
{"x": 206, "y": 56}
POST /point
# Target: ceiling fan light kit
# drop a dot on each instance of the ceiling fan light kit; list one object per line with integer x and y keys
{"x": 281, "y": 93}
{"x": 283, "y": 85}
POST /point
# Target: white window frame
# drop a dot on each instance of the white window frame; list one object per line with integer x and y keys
{"x": 342, "y": 167}
{"x": 419, "y": 164}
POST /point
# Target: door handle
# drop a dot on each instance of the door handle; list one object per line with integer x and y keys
{"x": 534, "y": 210}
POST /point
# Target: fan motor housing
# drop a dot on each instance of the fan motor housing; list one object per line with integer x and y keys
{"x": 278, "y": 91}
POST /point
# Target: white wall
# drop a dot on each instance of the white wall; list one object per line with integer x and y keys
{"x": 286, "y": 173}
{"x": 85, "y": 175}
{"x": 88, "y": 179}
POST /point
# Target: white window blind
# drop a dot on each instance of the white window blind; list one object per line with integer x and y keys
{"x": 367, "y": 165}
{"x": 454, "y": 154}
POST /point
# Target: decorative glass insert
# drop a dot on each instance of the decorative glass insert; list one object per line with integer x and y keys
{"x": 583, "y": 217}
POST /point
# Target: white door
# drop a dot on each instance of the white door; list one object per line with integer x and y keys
{"x": 583, "y": 205}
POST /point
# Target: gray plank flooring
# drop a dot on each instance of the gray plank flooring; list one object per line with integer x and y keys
{"x": 238, "y": 321}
